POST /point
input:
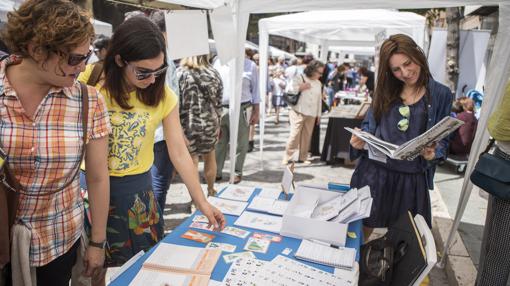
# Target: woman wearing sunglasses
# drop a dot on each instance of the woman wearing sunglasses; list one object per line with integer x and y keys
{"x": 407, "y": 101}
{"x": 138, "y": 100}
{"x": 41, "y": 130}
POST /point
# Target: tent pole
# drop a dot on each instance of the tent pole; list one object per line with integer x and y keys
{"x": 497, "y": 78}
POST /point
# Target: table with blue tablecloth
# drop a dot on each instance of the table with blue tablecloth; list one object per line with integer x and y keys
{"x": 354, "y": 241}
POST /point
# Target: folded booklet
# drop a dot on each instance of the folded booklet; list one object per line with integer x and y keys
{"x": 412, "y": 148}
{"x": 172, "y": 264}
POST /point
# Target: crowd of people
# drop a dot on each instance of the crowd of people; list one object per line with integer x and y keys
{"x": 95, "y": 146}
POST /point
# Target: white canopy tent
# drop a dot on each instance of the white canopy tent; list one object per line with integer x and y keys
{"x": 497, "y": 72}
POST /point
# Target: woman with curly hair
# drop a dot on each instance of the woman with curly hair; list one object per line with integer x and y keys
{"x": 138, "y": 101}
{"x": 43, "y": 111}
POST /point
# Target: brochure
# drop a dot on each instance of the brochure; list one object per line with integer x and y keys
{"x": 411, "y": 149}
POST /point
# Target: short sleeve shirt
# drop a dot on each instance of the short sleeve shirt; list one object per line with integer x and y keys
{"x": 44, "y": 151}
{"x": 131, "y": 143}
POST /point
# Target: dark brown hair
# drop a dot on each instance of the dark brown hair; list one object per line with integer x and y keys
{"x": 138, "y": 38}
{"x": 388, "y": 87}
{"x": 50, "y": 25}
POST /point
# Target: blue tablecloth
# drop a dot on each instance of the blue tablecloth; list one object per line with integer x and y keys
{"x": 221, "y": 267}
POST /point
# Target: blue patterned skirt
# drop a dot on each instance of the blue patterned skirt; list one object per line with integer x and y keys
{"x": 135, "y": 221}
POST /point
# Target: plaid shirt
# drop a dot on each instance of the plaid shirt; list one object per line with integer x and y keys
{"x": 44, "y": 152}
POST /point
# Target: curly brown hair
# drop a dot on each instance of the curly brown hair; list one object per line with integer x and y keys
{"x": 50, "y": 25}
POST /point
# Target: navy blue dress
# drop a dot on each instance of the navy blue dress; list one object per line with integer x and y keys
{"x": 396, "y": 186}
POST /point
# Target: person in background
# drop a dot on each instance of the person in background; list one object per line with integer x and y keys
{"x": 407, "y": 101}
{"x": 101, "y": 46}
{"x": 456, "y": 109}
{"x": 162, "y": 169}
{"x": 41, "y": 129}
{"x": 494, "y": 267}
{"x": 200, "y": 110}
{"x": 338, "y": 80}
{"x": 306, "y": 113}
{"x": 138, "y": 101}
{"x": 463, "y": 138}
{"x": 366, "y": 80}
{"x": 278, "y": 86}
{"x": 249, "y": 114}
{"x": 251, "y": 135}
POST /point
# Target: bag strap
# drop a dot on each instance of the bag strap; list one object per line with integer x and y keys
{"x": 489, "y": 146}
{"x": 97, "y": 70}
{"x": 9, "y": 179}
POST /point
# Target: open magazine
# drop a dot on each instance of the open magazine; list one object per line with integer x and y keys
{"x": 412, "y": 148}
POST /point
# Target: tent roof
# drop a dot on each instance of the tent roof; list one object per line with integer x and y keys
{"x": 355, "y": 28}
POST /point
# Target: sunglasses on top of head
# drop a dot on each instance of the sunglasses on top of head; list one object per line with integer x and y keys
{"x": 76, "y": 59}
{"x": 141, "y": 75}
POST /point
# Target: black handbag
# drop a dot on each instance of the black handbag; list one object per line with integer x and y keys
{"x": 492, "y": 174}
{"x": 292, "y": 98}
{"x": 376, "y": 265}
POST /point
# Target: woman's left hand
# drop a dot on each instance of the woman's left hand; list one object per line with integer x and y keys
{"x": 215, "y": 217}
{"x": 429, "y": 152}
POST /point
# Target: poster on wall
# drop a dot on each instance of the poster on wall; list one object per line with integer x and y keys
{"x": 194, "y": 41}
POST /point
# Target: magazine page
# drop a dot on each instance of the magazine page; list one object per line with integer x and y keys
{"x": 381, "y": 145}
{"x": 443, "y": 128}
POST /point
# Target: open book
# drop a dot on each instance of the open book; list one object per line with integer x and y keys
{"x": 172, "y": 264}
{"x": 412, "y": 148}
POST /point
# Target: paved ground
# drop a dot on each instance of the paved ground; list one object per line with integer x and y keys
{"x": 268, "y": 172}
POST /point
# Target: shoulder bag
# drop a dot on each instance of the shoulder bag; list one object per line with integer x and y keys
{"x": 292, "y": 98}
{"x": 10, "y": 188}
{"x": 492, "y": 174}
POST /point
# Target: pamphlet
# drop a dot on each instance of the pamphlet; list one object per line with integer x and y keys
{"x": 237, "y": 193}
{"x": 260, "y": 221}
{"x": 228, "y": 206}
{"x": 411, "y": 149}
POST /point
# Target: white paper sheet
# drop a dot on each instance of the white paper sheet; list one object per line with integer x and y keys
{"x": 271, "y": 206}
{"x": 187, "y": 33}
{"x": 270, "y": 193}
{"x": 237, "y": 193}
{"x": 228, "y": 206}
{"x": 260, "y": 221}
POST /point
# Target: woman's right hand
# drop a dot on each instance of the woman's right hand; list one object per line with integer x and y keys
{"x": 305, "y": 86}
{"x": 356, "y": 142}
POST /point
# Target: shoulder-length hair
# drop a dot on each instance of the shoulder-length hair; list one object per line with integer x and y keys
{"x": 388, "y": 87}
{"x": 138, "y": 38}
{"x": 195, "y": 62}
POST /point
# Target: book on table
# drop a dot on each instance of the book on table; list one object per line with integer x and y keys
{"x": 172, "y": 264}
{"x": 412, "y": 148}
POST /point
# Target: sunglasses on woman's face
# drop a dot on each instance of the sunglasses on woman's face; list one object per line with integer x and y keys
{"x": 141, "y": 75}
{"x": 76, "y": 59}
{"x": 403, "y": 124}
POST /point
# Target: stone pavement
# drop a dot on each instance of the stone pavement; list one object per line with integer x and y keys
{"x": 268, "y": 172}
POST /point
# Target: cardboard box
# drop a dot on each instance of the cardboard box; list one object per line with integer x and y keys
{"x": 297, "y": 223}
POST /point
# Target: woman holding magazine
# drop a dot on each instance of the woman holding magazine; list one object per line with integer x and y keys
{"x": 407, "y": 102}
